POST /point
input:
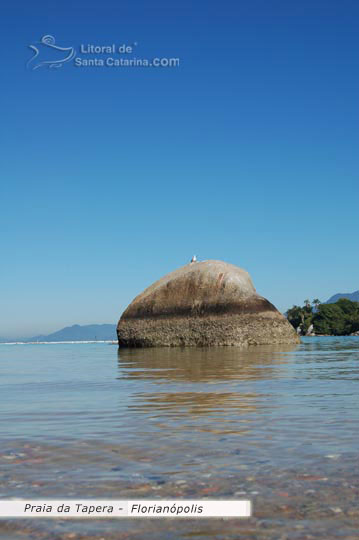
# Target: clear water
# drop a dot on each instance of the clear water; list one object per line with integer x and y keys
{"x": 269, "y": 423}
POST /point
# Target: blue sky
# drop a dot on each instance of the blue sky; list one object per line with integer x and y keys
{"x": 112, "y": 177}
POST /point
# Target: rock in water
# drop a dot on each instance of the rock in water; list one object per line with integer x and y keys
{"x": 210, "y": 303}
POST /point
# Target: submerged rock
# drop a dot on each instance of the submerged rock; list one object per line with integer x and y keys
{"x": 209, "y": 303}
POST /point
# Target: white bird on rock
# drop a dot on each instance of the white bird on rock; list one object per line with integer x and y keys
{"x": 194, "y": 259}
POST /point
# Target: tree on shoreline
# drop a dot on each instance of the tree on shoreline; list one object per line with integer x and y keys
{"x": 339, "y": 319}
{"x": 301, "y": 316}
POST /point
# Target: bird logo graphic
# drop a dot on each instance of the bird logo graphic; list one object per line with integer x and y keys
{"x": 47, "y": 54}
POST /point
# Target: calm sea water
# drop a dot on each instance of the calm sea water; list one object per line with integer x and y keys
{"x": 279, "y": 425}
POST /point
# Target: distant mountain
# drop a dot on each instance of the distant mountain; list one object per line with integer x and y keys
{"x": 89, "y": 332}
{"x": 354, "y": 297}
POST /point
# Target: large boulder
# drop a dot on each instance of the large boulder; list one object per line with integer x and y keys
{"x": 209, "y": 303}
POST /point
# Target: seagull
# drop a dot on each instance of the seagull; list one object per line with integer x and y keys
{"x": 194, "y": 259}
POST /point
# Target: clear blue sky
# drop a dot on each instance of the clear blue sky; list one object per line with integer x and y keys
{"x": 112, "y": 177}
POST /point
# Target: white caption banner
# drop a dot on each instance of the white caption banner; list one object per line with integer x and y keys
{"x": 85, "y": 508}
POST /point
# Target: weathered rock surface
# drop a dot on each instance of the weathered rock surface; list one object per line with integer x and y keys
{"x": 209, "y": 303}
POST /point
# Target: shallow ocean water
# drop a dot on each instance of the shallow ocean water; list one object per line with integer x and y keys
{"x": 278, "y": 425}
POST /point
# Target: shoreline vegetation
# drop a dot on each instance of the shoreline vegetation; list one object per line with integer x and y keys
{"x": 340, "y": 318}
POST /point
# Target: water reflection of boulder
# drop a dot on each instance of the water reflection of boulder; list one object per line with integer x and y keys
{"x": 194, "y": 404}
{"x": 210, "y": 390}
{"x": 203, "y": 364}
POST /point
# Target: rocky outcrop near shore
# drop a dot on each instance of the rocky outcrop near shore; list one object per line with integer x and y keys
{"x": 209, "y": 303}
